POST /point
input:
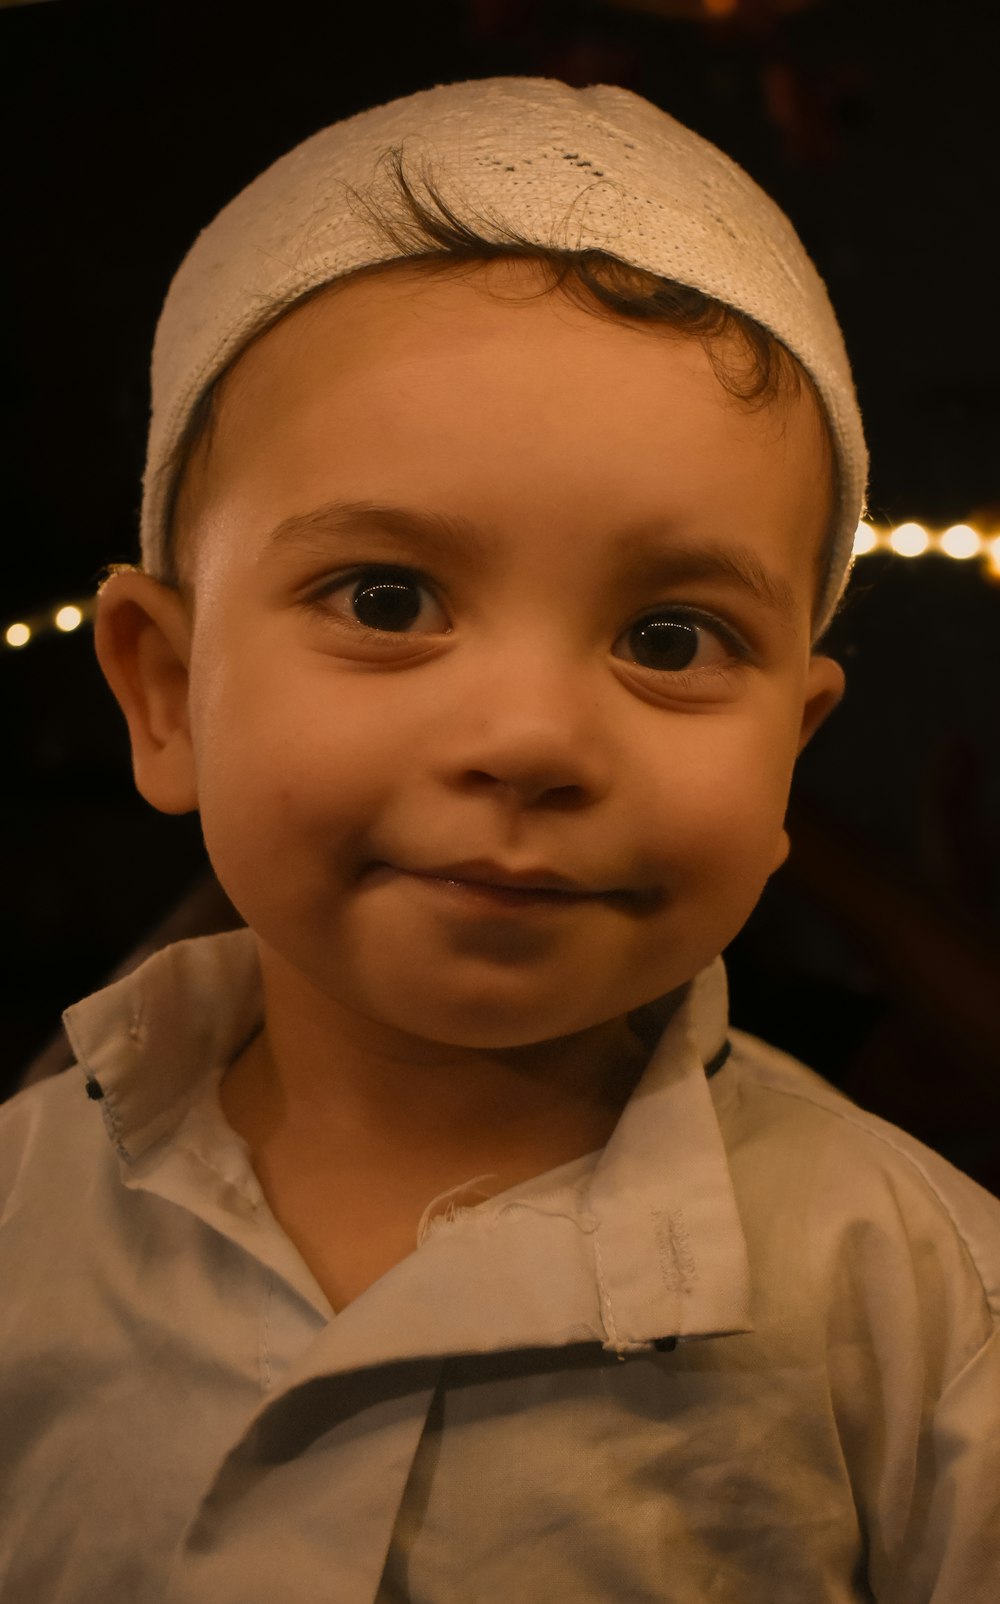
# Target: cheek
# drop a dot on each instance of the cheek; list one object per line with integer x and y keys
{"x": 722, "y": 800}
{"x": 287, "y": 763}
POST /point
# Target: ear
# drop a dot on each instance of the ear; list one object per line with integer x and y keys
{"x": 142, "y": 635}
{"x": 825, "y": 686}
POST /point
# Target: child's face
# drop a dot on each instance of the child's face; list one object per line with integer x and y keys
{"x": 515, "y": 714}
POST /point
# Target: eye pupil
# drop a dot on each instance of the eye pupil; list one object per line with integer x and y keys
{"x": 395, "y": 604}
{"x": 670, "y": 643}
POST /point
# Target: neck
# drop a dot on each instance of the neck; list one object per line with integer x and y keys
{"x": 340, "y": 1090}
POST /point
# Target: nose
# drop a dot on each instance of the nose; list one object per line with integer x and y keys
{"x": 537, "y": 729}
{"x": 529, "y": 783}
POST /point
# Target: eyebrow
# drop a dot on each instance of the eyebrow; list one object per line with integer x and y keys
{"x": 453, "y": 536}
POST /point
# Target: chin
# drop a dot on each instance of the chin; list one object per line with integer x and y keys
{"x": 478, "y": 1032}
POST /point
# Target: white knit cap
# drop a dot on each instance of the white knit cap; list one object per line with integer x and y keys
{"x": 597, "y": 168}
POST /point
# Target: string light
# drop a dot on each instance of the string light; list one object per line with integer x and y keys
{"x": 961, "y": 542}
{"x": 63, "y": 618}
{"x": 910, "y": 540}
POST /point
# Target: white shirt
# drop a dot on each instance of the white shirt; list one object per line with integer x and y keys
{"x": 184, "y": 1419}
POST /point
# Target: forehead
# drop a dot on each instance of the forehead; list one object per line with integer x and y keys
{"x": 481, "y": 396}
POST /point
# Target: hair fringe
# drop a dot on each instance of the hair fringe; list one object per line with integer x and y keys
{"x": 427, "y": 230}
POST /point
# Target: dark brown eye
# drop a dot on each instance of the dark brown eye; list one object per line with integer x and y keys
{"x": 664, "y": 643}
{"x": 378, "y": 598}
{"x": 386, "y": 604}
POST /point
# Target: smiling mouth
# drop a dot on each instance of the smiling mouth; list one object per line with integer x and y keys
{"x": 473, "y": 893}
{"x": 512, "y": 896}
{"x": 485, "y": 895}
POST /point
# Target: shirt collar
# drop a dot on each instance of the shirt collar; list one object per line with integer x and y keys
{"x": 657, "y": 1201}
{"x": 147, "y": 1042}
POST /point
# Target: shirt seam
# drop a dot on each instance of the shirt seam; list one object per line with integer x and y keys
{"x": 265, "y": 1349}
{"x": 911, "y": 1159}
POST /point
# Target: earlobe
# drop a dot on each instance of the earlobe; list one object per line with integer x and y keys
{"x": 825, "y": 686}
{"x": 142, "y": 636}
{"x": 784, "y": 848}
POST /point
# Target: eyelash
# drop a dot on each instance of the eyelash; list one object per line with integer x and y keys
{"x": 317, "y": 603}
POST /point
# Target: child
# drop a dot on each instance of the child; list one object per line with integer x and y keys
{"x": 439, "y": 1240}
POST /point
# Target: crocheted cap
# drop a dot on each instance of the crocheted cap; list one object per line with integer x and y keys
{"x": 596, "y": 168}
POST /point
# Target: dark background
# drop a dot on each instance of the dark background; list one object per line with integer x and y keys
{"x": 874, "y": 955}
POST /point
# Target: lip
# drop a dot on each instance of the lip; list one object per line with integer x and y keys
{"x": 478, "y": 894}
{"x": 482, "y": 872}
{"x": 511, "y": 891}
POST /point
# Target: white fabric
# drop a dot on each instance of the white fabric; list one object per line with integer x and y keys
{"x": 185, "y": 1420}
{"x": 595, "y": 168}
